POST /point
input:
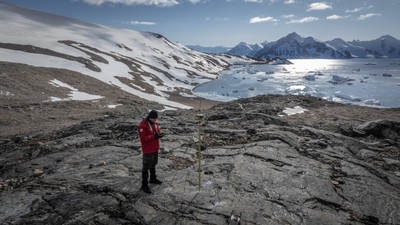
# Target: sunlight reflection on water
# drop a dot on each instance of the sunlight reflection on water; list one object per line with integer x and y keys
{"x": 348, "y": 81}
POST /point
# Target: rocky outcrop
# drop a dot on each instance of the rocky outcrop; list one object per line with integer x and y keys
{"x": 380, "y": 129}
{"x": 330, "y": 165}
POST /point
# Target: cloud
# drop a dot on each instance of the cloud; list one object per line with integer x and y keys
{"x": 254, "y": 1}
{"x": 194, "y": 1}
{"x": 141, "y": 23}
{"x": 304, "y": 20}
{"x": 318, "y": 6}
{"x": 335, "y": 17}
{"x": 369, "y": 15}
{"x": 290, "y": 2}
{"x": 161, "y": 3}
{"x": 358, "y": 9}
{"x": 258, "y": 19}
{"x": 354, "y": 10}
{"x": 289, "y": 16}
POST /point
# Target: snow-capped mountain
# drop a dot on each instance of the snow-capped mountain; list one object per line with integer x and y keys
{"x": 383, "y": 47}
{"x": 144, "y": 64}
{"x": 349, "y": 50}
{"x": 294, "y": 46}
{"x": 246, "y": 49}
{"x": 211, "y": 50}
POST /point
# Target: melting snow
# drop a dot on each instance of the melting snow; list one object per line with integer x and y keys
{"x": 167, "y": 108}
{"x": 45, "y": 31}
{"x": 296, "y": 110}
{"x": 113, "y": 106}
{"x": 6, "y": 93}
{"x": 75, "y": 94}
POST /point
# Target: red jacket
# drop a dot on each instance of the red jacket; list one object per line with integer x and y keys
{"x": 150, "y": 143}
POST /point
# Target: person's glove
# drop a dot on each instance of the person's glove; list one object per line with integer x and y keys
{"x": 158, "y": 135}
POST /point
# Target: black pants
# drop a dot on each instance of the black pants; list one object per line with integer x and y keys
{"x": 149, "y": 163}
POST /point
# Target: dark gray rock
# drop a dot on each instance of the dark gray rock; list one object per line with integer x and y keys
{"x": 283, "y": 171}
{"x": 380, "y": 128}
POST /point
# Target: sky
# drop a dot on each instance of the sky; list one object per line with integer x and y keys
{"x": 226, "y": 23}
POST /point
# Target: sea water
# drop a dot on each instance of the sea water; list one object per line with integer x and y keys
{"x": 373, "y": 82}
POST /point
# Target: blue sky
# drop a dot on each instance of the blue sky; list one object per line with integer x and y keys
{"x": 228, "y": 22}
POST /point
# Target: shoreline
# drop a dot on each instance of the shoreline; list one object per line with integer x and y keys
{"x": 197, "y": 103}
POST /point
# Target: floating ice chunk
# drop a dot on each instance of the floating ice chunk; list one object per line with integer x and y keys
{"x": 309, "y": 77}
{"x": 318, "y": 73}
{"x": 372, "y": 102}
{"x": 296, "y": 88}
{"x": 339, "y": 80}
{"x": 341, "y": 95}
{"x": 299, "y": 89}
{"x": 262, "y": 79}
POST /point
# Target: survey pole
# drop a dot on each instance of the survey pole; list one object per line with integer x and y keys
{"x": 199, "y": 118}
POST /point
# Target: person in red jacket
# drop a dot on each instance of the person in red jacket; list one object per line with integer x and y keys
{"x": 150, "y": 134}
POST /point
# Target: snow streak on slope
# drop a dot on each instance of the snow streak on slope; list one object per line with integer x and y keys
{"x": 144, "y": 64}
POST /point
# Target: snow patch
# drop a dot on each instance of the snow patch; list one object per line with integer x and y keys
{"x": 113, "y": 106}
{"x": 167, "y": 108}
{"x": 6, "y": 93}
{"x": 291, "y": 111}
{"x": 74, "y": 95}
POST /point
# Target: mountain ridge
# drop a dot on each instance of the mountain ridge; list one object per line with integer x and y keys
{"x": 385, "y": 46}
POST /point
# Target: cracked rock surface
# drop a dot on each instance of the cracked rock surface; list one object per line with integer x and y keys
{"x": 333, "y": 164}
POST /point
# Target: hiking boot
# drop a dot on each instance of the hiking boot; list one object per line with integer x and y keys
{"x": 155, "y": 181}
{"x": 153, "y": 177}
{"x": 146, "y": 189}
{"x": 145, "y": 184}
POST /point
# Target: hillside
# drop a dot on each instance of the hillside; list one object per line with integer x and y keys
{"x": 145, "y": 65}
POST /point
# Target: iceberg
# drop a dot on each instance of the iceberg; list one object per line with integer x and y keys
{"x": 372, "y": 102}
{"x": 339, "y": 80}
{"x": 309, "y": 77}
{"x": 341, "y": 95}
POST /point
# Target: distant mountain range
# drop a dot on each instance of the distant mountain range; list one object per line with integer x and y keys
{"x": 211, "y": 50}
{"x": 294, "y": 46}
